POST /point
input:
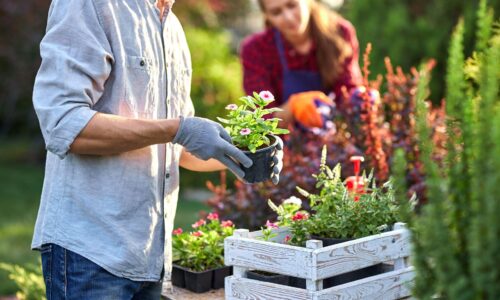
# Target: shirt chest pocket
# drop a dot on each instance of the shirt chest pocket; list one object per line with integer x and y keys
{"x": 139, "y": 87}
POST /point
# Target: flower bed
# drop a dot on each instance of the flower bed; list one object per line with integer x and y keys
{"x": 247, "y": 251}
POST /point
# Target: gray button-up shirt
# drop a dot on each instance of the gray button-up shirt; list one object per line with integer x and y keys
{"x": 114, "y": 57}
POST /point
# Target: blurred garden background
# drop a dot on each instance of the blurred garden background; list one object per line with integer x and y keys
{"x": 407, "y": 31}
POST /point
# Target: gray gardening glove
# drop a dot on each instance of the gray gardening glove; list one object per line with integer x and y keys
{"x": 207, "y": 139}
{"x": 277, "y": 162}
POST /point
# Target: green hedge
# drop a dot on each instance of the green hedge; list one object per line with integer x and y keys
{"x": 411, "y": 30}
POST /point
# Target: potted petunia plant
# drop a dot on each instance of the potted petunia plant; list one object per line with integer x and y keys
{"x": 340, "y": 211}
{"x": 343, "y": 211}
{"x": 254, "y": 130}
{"x": 199, "y": 255}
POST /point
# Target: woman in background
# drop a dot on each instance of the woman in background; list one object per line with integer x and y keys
{"x": 305, "y": 52}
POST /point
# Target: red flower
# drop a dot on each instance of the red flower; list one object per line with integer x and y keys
{"x": 177, "y": 231}
{"x": 227, "y": 223}
{"x": 198, "y": 223}
{"x": 300, "y": 216}
{"x": 197, "y": 233}
{"x": 287, "y": 238}
{"x": 213, "y": 216}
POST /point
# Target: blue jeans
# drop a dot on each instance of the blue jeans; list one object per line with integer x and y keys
{"x": 68, "y": 275}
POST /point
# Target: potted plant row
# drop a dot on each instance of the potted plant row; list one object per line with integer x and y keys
{"x": 199, "y": 255}
{"x": 253, "y": 130}
{"x": 341, "y": 211}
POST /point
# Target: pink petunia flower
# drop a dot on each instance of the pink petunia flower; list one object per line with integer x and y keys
{"x": 177, "y": 231}
{"x": 266, "y": 95}
{"x": 213, "y": 216}
{"x": 300, "y": 216}
{"x": 231, "y": 107}
{"x": 245, "y": 131}
{"x": 227, "y": 223}
{"x": 270, "y": 225}
{"x": 287, "y": 238}
{"x": 197, "y": 233}
{"x": 199, "y": 223}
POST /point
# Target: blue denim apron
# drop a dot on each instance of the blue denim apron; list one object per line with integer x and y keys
{"x": 296, "y": 81}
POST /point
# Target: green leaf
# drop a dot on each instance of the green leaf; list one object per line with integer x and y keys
{"x": 225, "y": 121}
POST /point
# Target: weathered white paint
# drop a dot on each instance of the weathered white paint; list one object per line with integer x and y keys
{"x": 402, "y": 262}
{"x": 314, "y": 285}
{"x": 314, "y": 263}
{"x": 360, "y": 253}
{"x": 243, "y": 288}
{"x": 391, "y": 285}
{"x": 267, "y": 256}
{"x": 239, "y": 271}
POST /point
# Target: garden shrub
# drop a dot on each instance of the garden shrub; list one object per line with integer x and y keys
{"x": 217, "y": 77}
{"x": 456, "y": 235}
{"x": 412, "y": 30}
{"x": 28, "y": 279}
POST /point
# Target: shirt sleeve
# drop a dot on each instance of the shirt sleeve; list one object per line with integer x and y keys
{"x": 351, "y": 75}
{"x": 256, "y": 77}
{"x": 76, "y": 62}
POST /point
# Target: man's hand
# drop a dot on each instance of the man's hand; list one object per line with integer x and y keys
{"x": 207, "y": 139}
{"x": 277, "y": 162}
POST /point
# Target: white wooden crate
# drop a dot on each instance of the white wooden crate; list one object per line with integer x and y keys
{"x": 245, "y": 252}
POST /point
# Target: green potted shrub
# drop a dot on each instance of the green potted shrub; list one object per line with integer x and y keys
{"x": 343, "y": 211}
{"x": 254, "y": 132}
{"x": 199, "y": 255}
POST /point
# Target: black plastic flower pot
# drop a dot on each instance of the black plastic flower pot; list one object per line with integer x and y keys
{"x": 177, "y": 275}
{"x": 268, "y": 277}
{"x": 297, "y": 282}
{"x": 261, "y": 169}
{"x": 353, "y": 275}
{"x": 219, "y": 276}
{"x": 198, "y": 282}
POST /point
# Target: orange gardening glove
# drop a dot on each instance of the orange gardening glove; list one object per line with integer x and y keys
{"x": 307, "y": 107}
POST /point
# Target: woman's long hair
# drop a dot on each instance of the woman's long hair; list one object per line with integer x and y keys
{"x": 332, "y": 48}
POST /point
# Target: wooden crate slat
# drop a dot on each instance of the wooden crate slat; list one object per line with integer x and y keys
{"x": 270, "y": 257}
{"x": 243, "y": 288}
{"x": 360, "y": 253}
{"x": 281, "y": 234}
{"x": 391, "y": 285}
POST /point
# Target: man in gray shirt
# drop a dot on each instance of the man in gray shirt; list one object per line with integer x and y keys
{"x": 113, "y": 99}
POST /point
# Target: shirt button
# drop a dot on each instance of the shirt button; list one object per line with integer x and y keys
{"x": 167, "y": 176}
{"x": 142, "y": 63}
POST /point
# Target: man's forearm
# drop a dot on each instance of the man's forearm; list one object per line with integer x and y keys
{"x": 190, "y": 162}
{"x": 285, "y": 115}
{"x": 107, "y": 134}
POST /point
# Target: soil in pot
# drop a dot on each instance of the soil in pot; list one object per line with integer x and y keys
{"x": 268, "y": 277}
{"x": 219, "y": 276}
{"x": 353, "y": 275}
{"x": 261, "y": 169}
{"x": 177, "y": 275}
{"x": 198, "y": 282}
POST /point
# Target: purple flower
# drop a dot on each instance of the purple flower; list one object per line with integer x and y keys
{"x": 231, "y": 107}
{"x": 266, "y": 95}
{"x": 245, "y": 131}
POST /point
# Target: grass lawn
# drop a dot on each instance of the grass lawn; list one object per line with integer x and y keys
{"x": 20, "y": 187}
